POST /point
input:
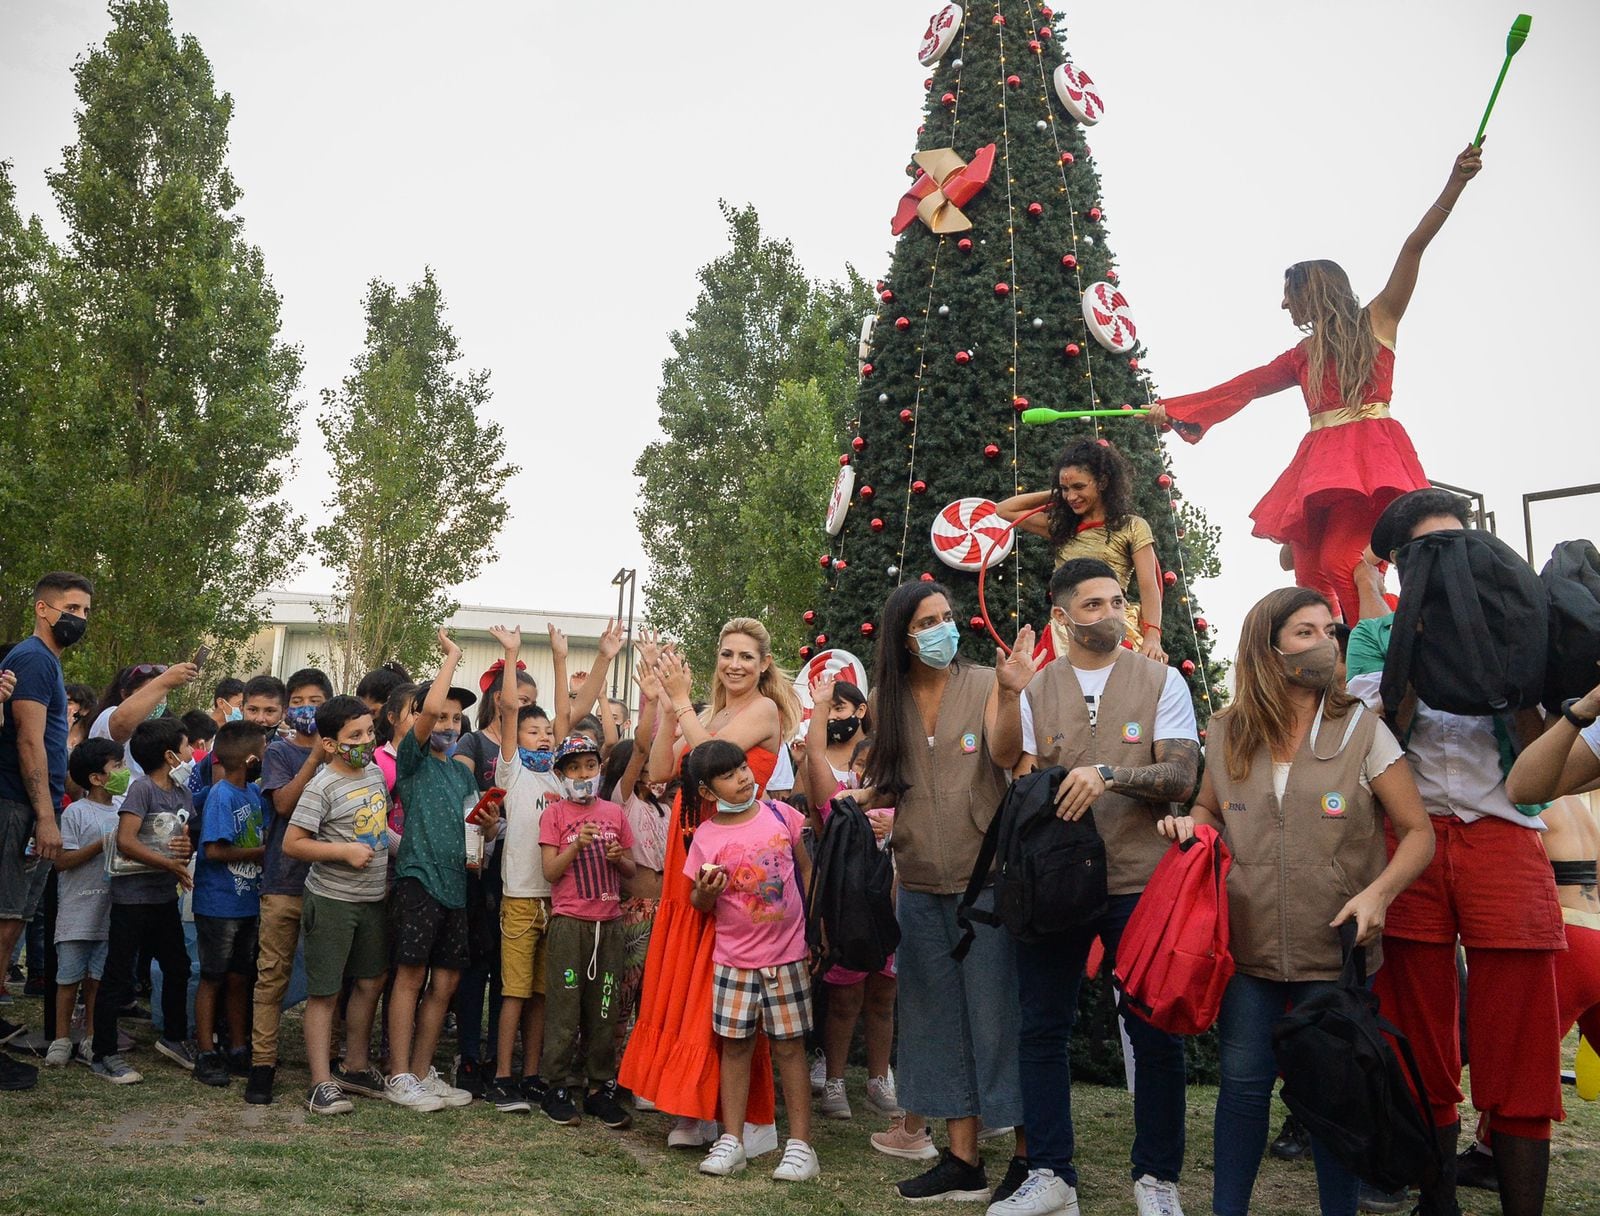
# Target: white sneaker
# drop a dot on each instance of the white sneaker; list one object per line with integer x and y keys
{"x": 59, "y": 1054}
{"x": 759, "y": 1138}
{"x": 819, "y": 1074}
{"x": 1042, "y": 1193}
{"x": 986, "y": 1132}
{"x": 835, "y": 1104}
{"x": 403, "y": 1089}
{"x": 726, "y": 1157}
{"x": 643, "y": 1104}
{"x": 447, "y": 1093}
{"x": 686, "y": 1133}
{"x": 799, "y": 1163}
{"x": 881, "y": 1096}
{"x": 1156, "y": 1198}
{"x": 83, "y": 1053}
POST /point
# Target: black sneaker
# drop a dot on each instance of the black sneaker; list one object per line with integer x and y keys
{"x": 10, "y": 1030}
{"x": 1293, "y": 1142}
{"x": 239, "y": 1062}
{"x": 328, "y": 1099}
{"x": 15, "y": 1075}
{"x": 212, "y": 1069}
{"x": 368, "y": 1081}
{"x": 559, "y": 1107}
{"x": 534, "y": 1089}
{"x": 951, "y": 1179}
{"x": 469, "y": 1075}
{"x": 1371, "y": 1199}
{"x": 258, "y": 1089}
{"x": 506, "y": 1097}
{"x": 603, "y": 1105}
{"x": 1475, "y": 1168}
{"x": 37, "y": 985}
{"x": 134, "y": 1010}
{"x": 1016, "y": 1175}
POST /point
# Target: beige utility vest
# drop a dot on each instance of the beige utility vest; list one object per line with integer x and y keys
{"x": 1296, "y": 863}
{"x": 1123, "y": 736}
{"x": 955, "y": 787}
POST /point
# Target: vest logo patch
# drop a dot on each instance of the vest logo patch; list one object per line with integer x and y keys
{"x": 1333, "y": 805}
{"x": 1229, "y": 807}
{"x": 1132, "y": 733}
{"x": 969, "y": 744}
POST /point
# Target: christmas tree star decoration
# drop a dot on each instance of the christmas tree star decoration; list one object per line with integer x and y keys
{"x": 946, "y": 184}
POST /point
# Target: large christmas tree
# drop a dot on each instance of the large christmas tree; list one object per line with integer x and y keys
{"x": 1002, "y": 295}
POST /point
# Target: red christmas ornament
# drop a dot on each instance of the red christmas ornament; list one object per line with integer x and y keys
{"x": 866, "y": 629}
{"x": 822, "y": 639}
{"x": 1125, "y": 406}
{"x": 1035, "y": 45}
{"x": 887, "y": 297}
{"x": 866, "y": 369}
{"x": 1069, "y": 261}
{"x": 949, "y": 99}
{"x": 877, "y": 525}
{"x": 906, "y": 416}
{"x": 1187, "y": 667}
{"x": 1111, "y": 276}
{"x": 991, "y": 450}
{"x": 1036, "y": 209}
{"x": 999, "y": 19}
{"x": 1173, "y": 504}
{"x": 1019, "y": 404}
{"x": 805, "y": 652}
{"x": 1067, "y": 158}
{"x": 1170, "y": 578}
{"x": 976, "y": 624}
{"x": 1133, "y": 365}
{"x": 825, "y": 561}
{"x": 1047, "y": 13}
{"x": 928, "y": 83}
{"x": 919, "y": 487}
{"x": 809, "y": 617}
{"x": 841, "y": 564}
{"x": 1202, "y": 736}
{"x": 858, "y": 443}
{"x": 866, "y": 493}
{"x": 1014, "y": 82}
{"x": 1201, "y": 624}
{"x": 1002, "y": 289}
{"x": 902, "y": 323}
{"x": 926, "y": 577}
{"x": 1072, "y": 350}
{"x": 844, "y": 459}
{"x": 964, "y": 244}
{"x": 1094, "y": 215}
{"x": 921, "y": 128}
{"x": 963, "y": 357}
{"x": 1045, "y": 31}
{"x": 1164, "y": 481}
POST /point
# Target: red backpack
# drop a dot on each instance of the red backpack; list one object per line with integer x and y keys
{"x": 1173, "y": 963}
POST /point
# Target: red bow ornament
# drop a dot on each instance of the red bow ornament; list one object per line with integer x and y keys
{"x": 946, "y": 184}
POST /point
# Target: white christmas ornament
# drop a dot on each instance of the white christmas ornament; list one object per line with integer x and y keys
{"x": 942, "y": 29}
{"x": 969, "y": 533}
{"x": 839, "y": 505}
{"x": 1079, "y": 94}
{"x": 1109, "y": 318}
{"x": 840, "y": 664}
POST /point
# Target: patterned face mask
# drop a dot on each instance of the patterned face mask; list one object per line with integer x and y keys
{"x": 303, "y": 718}
{"x": 443, "y": 740}
{"x": 357, "y": 755}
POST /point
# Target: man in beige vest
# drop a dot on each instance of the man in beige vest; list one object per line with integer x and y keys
{"x": 1123, "y": 727}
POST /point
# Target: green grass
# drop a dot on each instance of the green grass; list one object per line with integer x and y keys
{"x": 76, "y": 1146}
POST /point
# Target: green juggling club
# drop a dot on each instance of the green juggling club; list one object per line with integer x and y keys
{"x": 1514, "y": 41}
{"x": 1039, "y": 415}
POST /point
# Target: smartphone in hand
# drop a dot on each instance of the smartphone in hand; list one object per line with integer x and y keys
{"x": 201, "y": 655}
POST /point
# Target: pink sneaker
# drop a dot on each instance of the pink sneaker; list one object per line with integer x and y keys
{"x": 910, "y": 1146}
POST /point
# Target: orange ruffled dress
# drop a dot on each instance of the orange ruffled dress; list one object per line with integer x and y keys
{"x": 672, "y": 1057}
{"x": 1362, "y": 453}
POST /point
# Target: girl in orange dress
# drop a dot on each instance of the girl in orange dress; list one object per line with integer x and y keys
{"x": 672, "y": 1057}
{"x": 1356, "y": 459}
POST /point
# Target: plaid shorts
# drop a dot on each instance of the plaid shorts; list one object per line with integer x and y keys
{"x": 776, "y": 999}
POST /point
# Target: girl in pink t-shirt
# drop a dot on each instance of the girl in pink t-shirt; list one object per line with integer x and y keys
{"x": 749, "y": 869}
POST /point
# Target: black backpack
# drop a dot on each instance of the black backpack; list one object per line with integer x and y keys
{"x": 1342, "y": 1080}
{"x": 1049, "y": 874}
{"x": 1482, "y": 646}
{"x": 850, "y": 919}
{"x": 1571, "y": 581}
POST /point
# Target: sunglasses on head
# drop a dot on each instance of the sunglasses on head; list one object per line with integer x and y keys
{"x": 147, "y": 669}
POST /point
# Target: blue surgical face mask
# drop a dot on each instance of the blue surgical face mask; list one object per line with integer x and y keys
{"x": 443, "y": 740}
{"x": 539, "y": 759}
{"x": 236, "y": 715}
{"x": 303, "y": 718}
{"x": 936, "y": 645}
{"x": 736, "y": 808}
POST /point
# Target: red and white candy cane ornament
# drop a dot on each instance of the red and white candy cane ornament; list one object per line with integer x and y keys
{"x": 941, "y": 32}
{"x": 839, "y": 505}
{"x": 966, "y": 532}
{"x": 1110, "y": 318}
{"x": 1079, "y": 94}
{"x": 840, "y": 664}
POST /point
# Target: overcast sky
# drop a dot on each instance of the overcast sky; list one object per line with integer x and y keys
{"x": 559, "y": 167}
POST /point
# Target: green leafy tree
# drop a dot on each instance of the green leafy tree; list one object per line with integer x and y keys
{"x": 155, "y": 402}
{"x": 765, "y": 355}
{"x": 24, "y": 511}
{"x": 971, "y": 324}
{"x": 419, "y": 477}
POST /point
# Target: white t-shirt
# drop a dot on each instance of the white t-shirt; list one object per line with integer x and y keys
{"x": 101, "y": 729}
{"x": 1174, "y": 712}
{"x": 1385, "y": 750}
{"x": 1591, "y": 735}
{"x": 527, "y": 794}
{"x": 783, "y": 771}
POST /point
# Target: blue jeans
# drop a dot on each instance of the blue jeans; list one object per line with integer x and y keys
{"x": 1048, "y": 975}
{"x": 1249, "y": 1008}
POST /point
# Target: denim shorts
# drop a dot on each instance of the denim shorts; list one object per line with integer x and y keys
{"x": 22, "y": 878}
{"x": 226, "y": 945}
{"x": 959, "y": 1022}
{"x": 76, "y": 960}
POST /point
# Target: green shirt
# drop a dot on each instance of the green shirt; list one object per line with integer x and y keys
{"x": 436, "y": 795}
{"x": 1368, "y": 645}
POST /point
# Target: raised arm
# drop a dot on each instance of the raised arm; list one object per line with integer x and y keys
{"x": 506, "y": 707}
{"x": 1193, "y": 414}
{"x": 1019, "y": 505}
{"x": 437, "y": 702}
{"x": 141, "y": 703}
{"x": 754, "y": 726}
{"x": 595, "y": 686}
{"x": 562, "y": 706}
{"x": 817, "y": 774}
{"x": 1389, "y": 305}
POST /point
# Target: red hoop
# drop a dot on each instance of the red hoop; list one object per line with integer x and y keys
{"x": 983, "y": 609}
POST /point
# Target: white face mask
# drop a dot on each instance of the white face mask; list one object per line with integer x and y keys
{"x": 580, "y": 789}
{"x": 180, "y": 772}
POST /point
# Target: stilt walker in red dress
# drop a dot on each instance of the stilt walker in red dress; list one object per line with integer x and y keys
{"x": 1355, "y": 459}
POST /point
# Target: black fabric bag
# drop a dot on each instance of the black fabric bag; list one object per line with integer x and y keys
{"x": 850, "y": 919}
{"x": 1482, "y": 647}
{"x": 1571, "y": 581}
{"x": 1049, "y": 874}
{"x": 1344, "y": 1083}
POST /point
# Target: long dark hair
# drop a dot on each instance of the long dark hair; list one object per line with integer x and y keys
{"x": 712, "y": 759}
{"x": 616, "y": 765}
{"x": 890, "y": 687}
{"x": 1111, "y": 474}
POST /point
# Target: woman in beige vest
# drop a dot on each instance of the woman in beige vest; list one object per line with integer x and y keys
{"x": 1300, "y": 777}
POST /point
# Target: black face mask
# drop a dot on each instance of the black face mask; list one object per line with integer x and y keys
{"x": 842, "y": 730}
{"x": 68, "y": 629}
{"x": 252, "y": 769}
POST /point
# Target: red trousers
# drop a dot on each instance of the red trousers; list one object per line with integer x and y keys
{"x": 1340, "y": 534}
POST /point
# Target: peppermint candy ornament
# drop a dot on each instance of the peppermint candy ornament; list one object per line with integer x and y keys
{"x": 1109, "y": 318}
{"x": 941, "y": 32}
{"x": 840, "y": 664}
{"x": 1079, "y": 94}
{"x": 969, "y": 534}
{"x": 839, "y": 505}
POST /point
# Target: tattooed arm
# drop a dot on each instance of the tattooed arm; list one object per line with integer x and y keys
{"x": 1170, "y": 779}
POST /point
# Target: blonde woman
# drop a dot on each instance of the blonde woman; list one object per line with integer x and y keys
{"x": 1355, "y": 459}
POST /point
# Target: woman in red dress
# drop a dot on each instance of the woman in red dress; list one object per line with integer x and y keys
{"x": 672, "y": 1057}
{"x": 1355, "y": 459}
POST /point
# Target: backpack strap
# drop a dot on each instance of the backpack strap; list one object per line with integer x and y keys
{"x": 967, "y": 910}
{"x": 1403, "y": 635}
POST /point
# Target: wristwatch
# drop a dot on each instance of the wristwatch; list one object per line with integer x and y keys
{"x": 1107, "y": 774}
{"x": 1577, "y": 720}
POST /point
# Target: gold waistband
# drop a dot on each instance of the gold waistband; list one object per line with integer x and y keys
{"x": 1346, "y": 415}
{"x": 1580, "y": 917}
